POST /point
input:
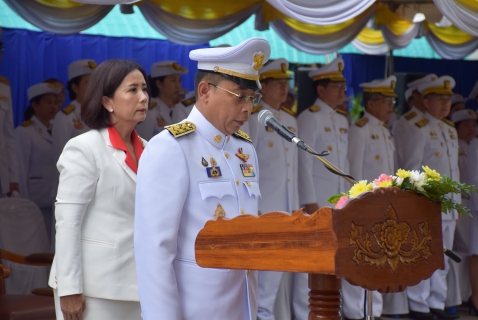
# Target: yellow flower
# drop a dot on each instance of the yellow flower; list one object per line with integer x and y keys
{"x": 385, "y": 184}
{"x": 358, "y": 188}
{"x": 403, "y": 173}
{"x": 431, "y": 174}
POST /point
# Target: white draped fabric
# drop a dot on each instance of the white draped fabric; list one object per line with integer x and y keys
{"x": 323, "y": 12}
{"x": 370, "y": 48}
{"x": 450, "y": 51}
{"x": 59, "y": 21}
{"x": 395, "y": 41}
{"x": 461, "y": 17}
{"x": 189, "y": 31}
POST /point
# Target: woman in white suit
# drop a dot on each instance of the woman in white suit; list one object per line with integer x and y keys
{"x": 94, "y": 273}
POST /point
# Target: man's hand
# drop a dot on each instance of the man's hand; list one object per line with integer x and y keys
{"x": 311, "y": 208}
{"x": 13, "y": 187}
{"x": 73, "y": 306}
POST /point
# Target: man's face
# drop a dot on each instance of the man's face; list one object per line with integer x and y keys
{"x": 417, "y": 99}
{"x": 275, "y": 90}
{"x": 438, "y": 105}
{"x": 381, "y": 107}
{"x": 466, "y": 130}
{"x": 333, "y": 94}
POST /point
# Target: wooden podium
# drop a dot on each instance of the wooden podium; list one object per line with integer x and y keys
{"x": 385, "y": 240}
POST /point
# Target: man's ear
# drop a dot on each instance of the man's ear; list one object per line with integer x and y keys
{"x": 203, "y": 91}
{"x": 320, "y": 91}
{"x": 426, "y": 102}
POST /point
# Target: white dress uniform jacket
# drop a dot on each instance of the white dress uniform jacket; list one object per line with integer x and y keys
{"x": 8, "y": 165}
{"x": 463, "y": 151}
{"x": 94, "y": 221}
{"x": 322, "y": 128}
{"x": 473, "y": 179}
{"x": 37, "y": 170}
{"x": 400, "y": 129}
{"x": 175, "y": 198}
{"x": 182, "y": 110}
{"x": 159, "y": 116}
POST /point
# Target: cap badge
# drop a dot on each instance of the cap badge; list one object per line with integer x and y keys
{"x": 471, "y": 113}
{"x": 447, "y": 84}
{"x": 91, "y": 65}
{"x": 341, "y": 66}
{"x": 258, "y": 59}
{"x": 284, "y": 67}
{"x": 52, "y": 86}
{"x": 176, "y": 66}
{"x": 393, "y": 84}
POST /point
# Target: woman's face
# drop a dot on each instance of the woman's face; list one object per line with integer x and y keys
{"x": 47, "y": 108}
{"x": 170, "y": 87}
{"x": 130, "y": 100}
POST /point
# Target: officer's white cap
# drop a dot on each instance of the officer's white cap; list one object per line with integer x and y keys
{"x": 465, "y": 114}
{"x": 442, "y": 85}
{"x": 239, "y": 64}
{"x": 332, "y": 71}
{"x": 166, "y": 68}
{"x": 80, "y": 67}
{"x": 458, "y": 98}
{"x": 40, "y": 89}
{"x": 416, "y": 83}
{"x": 409, "y": 93}
{"x": 277, "y": 69}
{"x": 384, "y": 87}
{"x": 474, "y": 91}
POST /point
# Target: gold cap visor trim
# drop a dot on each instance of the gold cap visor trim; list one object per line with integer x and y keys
{"x": 333, "y": 76}
{"x": 437, "y": 90}
{"x": 236, "y": 74}
{"x": 276, "y": 74}
{"x": 386, "y": 91}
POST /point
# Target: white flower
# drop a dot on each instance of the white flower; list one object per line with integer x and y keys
{"x": 417, "y": 179}
{"x": 398, "y": 181}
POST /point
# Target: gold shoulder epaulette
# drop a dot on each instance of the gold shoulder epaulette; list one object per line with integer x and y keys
{"x": 4, "y": 80}
{"x": 27, "y": 123}
{"x": 361, "y": 122}
{"x": 410, "y": 116}
{"x": 181, "y": 129}
{"x": 152, "y": 104}
{"x": 314, "y": 109}
{"x": 188, "y": 102}
{"x": 242, "y": 135}
{"x": 68, "y": 109}
{"x": 448, "y": 122}
{"x": 292, "y": 113}
{"x": 342, "y": 112}
{"x": 256, "y": 109}
{"x": 422, "y": 123}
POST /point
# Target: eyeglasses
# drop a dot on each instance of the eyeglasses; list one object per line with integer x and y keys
{"x": 338, "y": 86}
{"x": 389, "y": 100}
{"x": 256, "y": 98}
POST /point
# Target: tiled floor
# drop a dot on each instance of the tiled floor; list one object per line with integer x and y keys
{"x": 462, "y": 310}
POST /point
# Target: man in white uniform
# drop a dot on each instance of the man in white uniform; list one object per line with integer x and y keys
{"x": 8, "y": 165}
{"x": 322, "y": 127}
{"x": 371, "y": 152}
{"x": 182, "y": 110}
{"x": 202, "y": 168}
{"x": 433, "y": 142}
{"x": 278, "y": 164}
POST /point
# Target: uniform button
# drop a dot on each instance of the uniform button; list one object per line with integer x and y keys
{"x": 288, "y": 180}
{"x": 242, "y": 211}
{"x": 227, "y": 155}
{"x": 286, "y": 149}
{"x": 237, "y": 182}
{"x": 217, "y": 138}
{"x": 377, "y": 157}
{"x": 437, "y": 154}
{"x": 271, "y": 144}
{"x": 329, "y": 148}
{"x": 288, "y": 164}
{"x": 338, "y": 151}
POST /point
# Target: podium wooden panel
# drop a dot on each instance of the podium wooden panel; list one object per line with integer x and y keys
{"x": 385, "y": 240}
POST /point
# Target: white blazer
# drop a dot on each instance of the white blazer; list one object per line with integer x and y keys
{"x": 8, "y": 165}
{"x": 94, "y": 221}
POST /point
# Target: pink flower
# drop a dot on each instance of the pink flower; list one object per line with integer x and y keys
{"x": 341, "y": 202}
{"x": 383, "y": 181}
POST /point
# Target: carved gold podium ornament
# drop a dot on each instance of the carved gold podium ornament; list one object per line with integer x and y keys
{"x": 390, "y": 236}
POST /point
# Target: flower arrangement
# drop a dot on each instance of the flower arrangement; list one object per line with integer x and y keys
{"x": 428, "y": 183}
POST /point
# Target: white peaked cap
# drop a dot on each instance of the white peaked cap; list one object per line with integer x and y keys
{"x": 277, "y": 69}
{"x": 428, "y": 78}
{"x": 166, "y": 68}
{"x": 465, "y": 114}
{"x": 442, "y": 85}
{"x": 239, "y": 64}
{"x": 384, "y": 87}
{"x": 474, "y": 91}
{"x": 458, "y": 98}
{"x": 40, "y": 89}
{"x": 409, "y": 93}
{"x": 332, "y": 71}
{"x": 80, "y": 67}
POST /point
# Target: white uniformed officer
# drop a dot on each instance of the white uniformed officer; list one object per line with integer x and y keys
{"x": 415, "y": 114}
{"x": 34, "y": 146}
{"x": 8, "y": 165}
{"x": 322, "y": 127}
{"x": 278, "y": 163}
{"x": 433, "y": 142}
{"x": 371, "y": 152}
{"x": 202, "y": 168}
{"x": 182, "y": 110}
{"x": 67, "y": 123}
{"x": 165, "y": 84}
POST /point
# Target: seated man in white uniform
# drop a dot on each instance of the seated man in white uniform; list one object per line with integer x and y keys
{"x": 201, "y": 169}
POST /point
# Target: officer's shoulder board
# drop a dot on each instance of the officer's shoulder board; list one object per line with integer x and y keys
{"x": 448, "y": 122}
{"x": 292, "y": 113}
{"x": 27, "y": 123}
{"x": 409, "y": 116}
{"x": 69, "y": 109}
{"x": 4, "y": 80}
{"x": 342, "y": 112}
{"x": 152, "y": 104}
{"x": 188, "y": 102}
{"x": 181, "y": 129}
{"x": 314, "y": 109}
{"x": 242, "y": 135}
{"x": 361, "y": 122}
{"x": 422, "y": 123}
{"x": 256, "y": 109}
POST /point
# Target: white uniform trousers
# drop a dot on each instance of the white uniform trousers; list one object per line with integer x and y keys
{"x": 104, "y": 309}
{"x": 473, "y": 234}
{"x": 268, "y": 286}
{"x": 300, "y": 296}
{"x": 353, "y": 299}
{"x": 395, "y": 303}
{"x": 283, "y": 304}
{"x": 431, "y": 293}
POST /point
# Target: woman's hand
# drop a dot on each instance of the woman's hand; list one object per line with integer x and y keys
{"x": 73, "y": 306}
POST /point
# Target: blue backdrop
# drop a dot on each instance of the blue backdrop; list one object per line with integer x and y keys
{"x": 31, "y": 57}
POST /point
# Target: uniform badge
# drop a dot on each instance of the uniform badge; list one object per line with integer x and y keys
{"x": 343, "y": 130}
{"x": 160, "y": 122}
{"x": 204, "y": 162}
{"x": 248, "y": 170}
{"x": 213, "y": 171}
{"x": 269, "y": 129}
{"x": 219, "y": 212}
{"x": 292, "y": 129}
{"x": 77, "y": 124}
{"x": 243, "y": 156}
{"x": 327, "y": 129}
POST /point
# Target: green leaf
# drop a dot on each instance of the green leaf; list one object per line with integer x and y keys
{"x": 335, "y": 198}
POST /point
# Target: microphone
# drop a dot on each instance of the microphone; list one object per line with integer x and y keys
{"x": 267, "y": 119}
